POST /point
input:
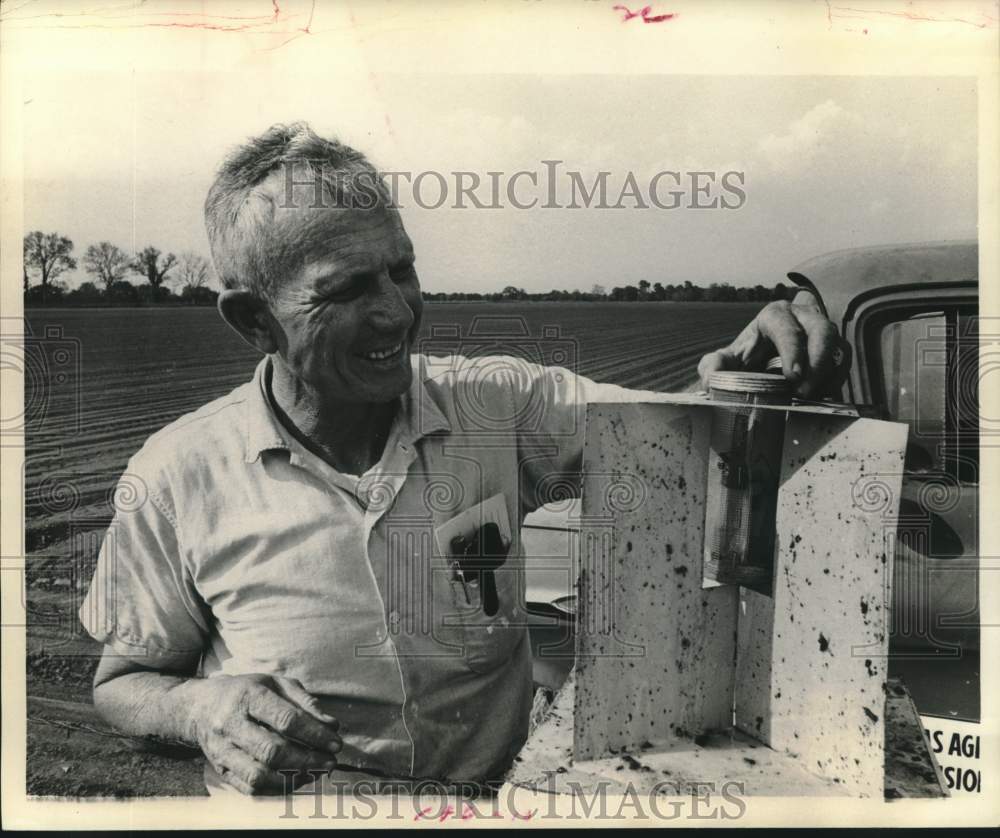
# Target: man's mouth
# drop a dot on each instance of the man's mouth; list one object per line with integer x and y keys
{"x": 388, "y": 353}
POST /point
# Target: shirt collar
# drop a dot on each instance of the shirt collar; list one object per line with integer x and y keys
{"x": 263, "y": 430}
{"x": 419, "y": 414}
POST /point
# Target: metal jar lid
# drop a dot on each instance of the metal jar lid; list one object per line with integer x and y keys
{"x": 748, "y": 382}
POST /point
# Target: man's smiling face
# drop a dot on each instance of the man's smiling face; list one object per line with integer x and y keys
{"x": 350, "y": 313}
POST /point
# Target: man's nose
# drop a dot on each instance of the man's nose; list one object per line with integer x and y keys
{"x": 389, "y": 309}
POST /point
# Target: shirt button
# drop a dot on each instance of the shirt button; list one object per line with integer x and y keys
{"x": 394, "y": 619}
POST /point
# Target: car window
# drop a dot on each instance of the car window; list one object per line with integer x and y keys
{"x": 927, "y": 370}
{"x": 914, "y": 356}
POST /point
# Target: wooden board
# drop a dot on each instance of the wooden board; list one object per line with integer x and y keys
{"x": 655, "y": 650}
{"x": 811, "y": 664}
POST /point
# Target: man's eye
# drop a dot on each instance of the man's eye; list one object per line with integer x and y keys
{"x": 341, "y": 296}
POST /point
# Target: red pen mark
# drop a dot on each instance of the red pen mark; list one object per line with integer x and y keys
{"x": 312, "y": 10}
{"x": 277, "y": 22}
{"x": 986, "y": 21}
{"x": 449, "y": 811}
{"x": 246, "y": 21}
{"x": 303, "y": 30}
{"x": 645, "y": 13}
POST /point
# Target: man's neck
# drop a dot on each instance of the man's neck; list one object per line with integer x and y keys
{"x": 350, "y": 436}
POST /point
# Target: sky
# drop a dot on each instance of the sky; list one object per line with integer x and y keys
{"x": 827, "y": 163}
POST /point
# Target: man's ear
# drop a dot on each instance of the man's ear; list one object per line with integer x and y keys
{"x": 248, "y": 316}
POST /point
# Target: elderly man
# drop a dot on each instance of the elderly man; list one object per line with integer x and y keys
{"x": 288, "y": 597}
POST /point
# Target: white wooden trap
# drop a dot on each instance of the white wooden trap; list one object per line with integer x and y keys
{"x": 680, "y": 683}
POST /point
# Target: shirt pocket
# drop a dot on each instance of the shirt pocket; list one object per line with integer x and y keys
{"x": 488, "y": 639}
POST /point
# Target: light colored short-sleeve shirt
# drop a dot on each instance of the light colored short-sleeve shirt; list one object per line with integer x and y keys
{"x": 237, "y": 544}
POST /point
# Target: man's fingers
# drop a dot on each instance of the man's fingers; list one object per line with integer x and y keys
{"x": 830, "y": 367}
{"x": 779, "y": 325}
{"x": 829, "y": 354}
{"x": 235, "y": 780}
{"x": 289, "y": 720}
{"x": 274, "y": 751}
{"x": 749, "y": 351}
{"x": 823, "y": 348}
{"x": 250, "y": 776}
{"x": 805, "y": 299}
{"x": 814, "y": 359}
{"x": 714, "y": 362}
{"x": 243, "y": 772}
{"x": 298, "y": 695}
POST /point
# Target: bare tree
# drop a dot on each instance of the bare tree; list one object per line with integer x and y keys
{"x": 192, "y": 271}
{"x": 49, "y": 254}
{"x": 147, "y": 263}
{"x": 106, "y": 262}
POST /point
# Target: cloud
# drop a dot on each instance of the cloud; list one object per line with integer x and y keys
{"x": 805, "y": 137}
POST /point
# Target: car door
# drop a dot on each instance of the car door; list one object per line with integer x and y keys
{"x": 917, "y": 362}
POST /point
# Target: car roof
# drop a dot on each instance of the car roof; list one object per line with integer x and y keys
{"x": 844, "y": 277}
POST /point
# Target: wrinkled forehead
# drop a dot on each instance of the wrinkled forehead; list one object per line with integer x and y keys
{"x": 304, "y": 233}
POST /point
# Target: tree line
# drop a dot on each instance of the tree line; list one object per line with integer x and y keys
{"x": 185, "y": 280}
{"x": 166, "y": 278}
{"x": 686, "y": 292}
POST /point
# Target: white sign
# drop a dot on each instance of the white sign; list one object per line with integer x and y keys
{"x": 959, "y": 749}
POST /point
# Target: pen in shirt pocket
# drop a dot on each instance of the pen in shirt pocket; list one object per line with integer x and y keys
{"x": 458, "y": 576}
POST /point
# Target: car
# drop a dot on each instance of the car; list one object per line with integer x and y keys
{"x": 909, "y": 313}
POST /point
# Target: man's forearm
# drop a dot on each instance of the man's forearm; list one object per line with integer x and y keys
{"x": 150, "y": 705}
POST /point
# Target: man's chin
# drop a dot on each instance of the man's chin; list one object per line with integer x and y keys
{"x": 387, "y": 390}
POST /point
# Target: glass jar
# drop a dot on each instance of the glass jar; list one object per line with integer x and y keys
{"x": 743, "y": 476}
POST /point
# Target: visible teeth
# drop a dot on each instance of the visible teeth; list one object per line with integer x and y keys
{"x": 385, "y": 353}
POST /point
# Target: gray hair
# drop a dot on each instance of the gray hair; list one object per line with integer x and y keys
{"x": 240, "y": 208}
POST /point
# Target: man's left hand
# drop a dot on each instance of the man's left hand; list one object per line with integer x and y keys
{"x": 814, "y": 358}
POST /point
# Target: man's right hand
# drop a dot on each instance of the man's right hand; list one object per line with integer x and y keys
{"x": 250, "y": 727}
